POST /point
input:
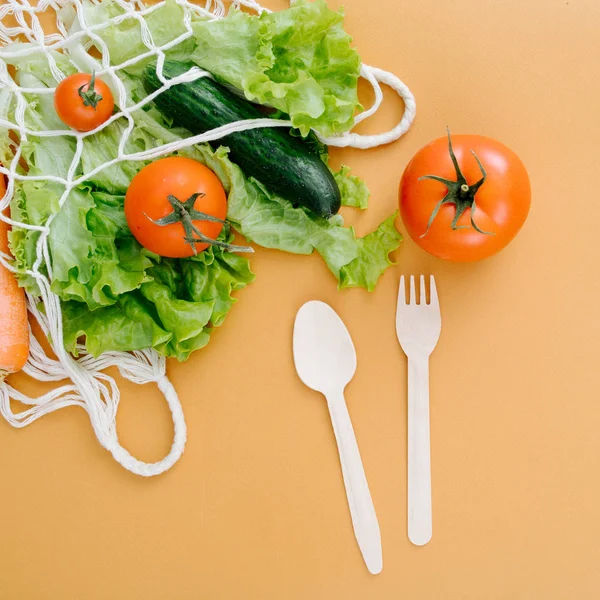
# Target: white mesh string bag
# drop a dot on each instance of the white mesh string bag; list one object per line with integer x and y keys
{"x": 82, "y": 381}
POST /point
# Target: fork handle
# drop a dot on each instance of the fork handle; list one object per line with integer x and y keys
{"x": 419, "y": 461}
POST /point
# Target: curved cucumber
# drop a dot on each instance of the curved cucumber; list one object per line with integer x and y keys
{"x": 284, "y": 164}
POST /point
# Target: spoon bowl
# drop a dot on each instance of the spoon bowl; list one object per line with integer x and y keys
{"x": 323, "y": 350}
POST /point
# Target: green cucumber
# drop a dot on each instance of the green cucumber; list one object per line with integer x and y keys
{"x": 284, "y": 164}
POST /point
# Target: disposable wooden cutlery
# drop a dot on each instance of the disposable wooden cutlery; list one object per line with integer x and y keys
{"x": 418, "y": 326}
{"x": 326, "y": 361}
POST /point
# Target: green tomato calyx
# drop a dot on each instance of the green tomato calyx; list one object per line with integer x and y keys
{"x": 186, "y": 214}
{"x": 90, "y": 96}
{"x": 460, "y": 194}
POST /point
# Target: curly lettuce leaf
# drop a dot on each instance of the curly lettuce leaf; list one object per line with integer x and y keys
{"x": 373, "y": 256}
{"x": 353, "y": 189}
{"x": 34, "y": 201}
{"x": 213, "y": 276}
{"x": 174, "y": 312}
{"x": 125, "y": 326}
{"x": 297, "y": 60}
{"x": 186, "y": 320}
{"x": 90, "y": 261}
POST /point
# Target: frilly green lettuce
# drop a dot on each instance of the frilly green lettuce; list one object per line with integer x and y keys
{"x": 174, "y": 311}
{"x": 298, "y": 60}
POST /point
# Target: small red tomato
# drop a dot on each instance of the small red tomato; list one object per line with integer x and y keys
{"x": 83, "y": 102}
{"x": 161, "y": 201}
{"x": 464, "y": 198}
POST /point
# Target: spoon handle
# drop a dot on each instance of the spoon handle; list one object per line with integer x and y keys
{"x": 364, "y": 519}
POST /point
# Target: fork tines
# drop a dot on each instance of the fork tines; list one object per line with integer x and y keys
{"x": 433, "y": 297}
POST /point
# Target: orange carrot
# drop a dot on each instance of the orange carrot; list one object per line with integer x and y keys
{"x": 14, "y": 330}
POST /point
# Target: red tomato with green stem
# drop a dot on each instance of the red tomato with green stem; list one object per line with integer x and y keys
{"x": 465, "y": 197}
{"x": 83, "y": 102}
{"x": 176, "y": 207}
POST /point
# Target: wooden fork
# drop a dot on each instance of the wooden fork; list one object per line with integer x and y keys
{"x": 418, "y": 327}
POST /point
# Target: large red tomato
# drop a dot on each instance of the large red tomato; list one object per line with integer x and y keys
{"x": 161, "y": 198}
{"x": 464, "y": 198}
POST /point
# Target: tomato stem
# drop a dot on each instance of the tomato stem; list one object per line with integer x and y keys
{"x": 186, "y": 214}
{"x": 459, "y": 193}
{"x": 90, "y": 97}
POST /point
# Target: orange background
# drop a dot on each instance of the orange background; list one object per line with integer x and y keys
{"x": 256, "y": 508}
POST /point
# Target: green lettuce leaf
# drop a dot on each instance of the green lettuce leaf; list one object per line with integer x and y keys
{"x": 186, "y": 320}
{"x": 213, "y": 276}
{"x": 6, "y": 101}
{"x": 353, "y": 189}
{"x": 91, "y": 260}
{"x": 127, "y": 325}
{"x": 297, "y": 60}
{"x": 373, "y": 256}
{"x": 102, "y": 147}
{"x": 174, "y": 312}
{"x": 34, "y": 201}
{"x": 124, "y": 39}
